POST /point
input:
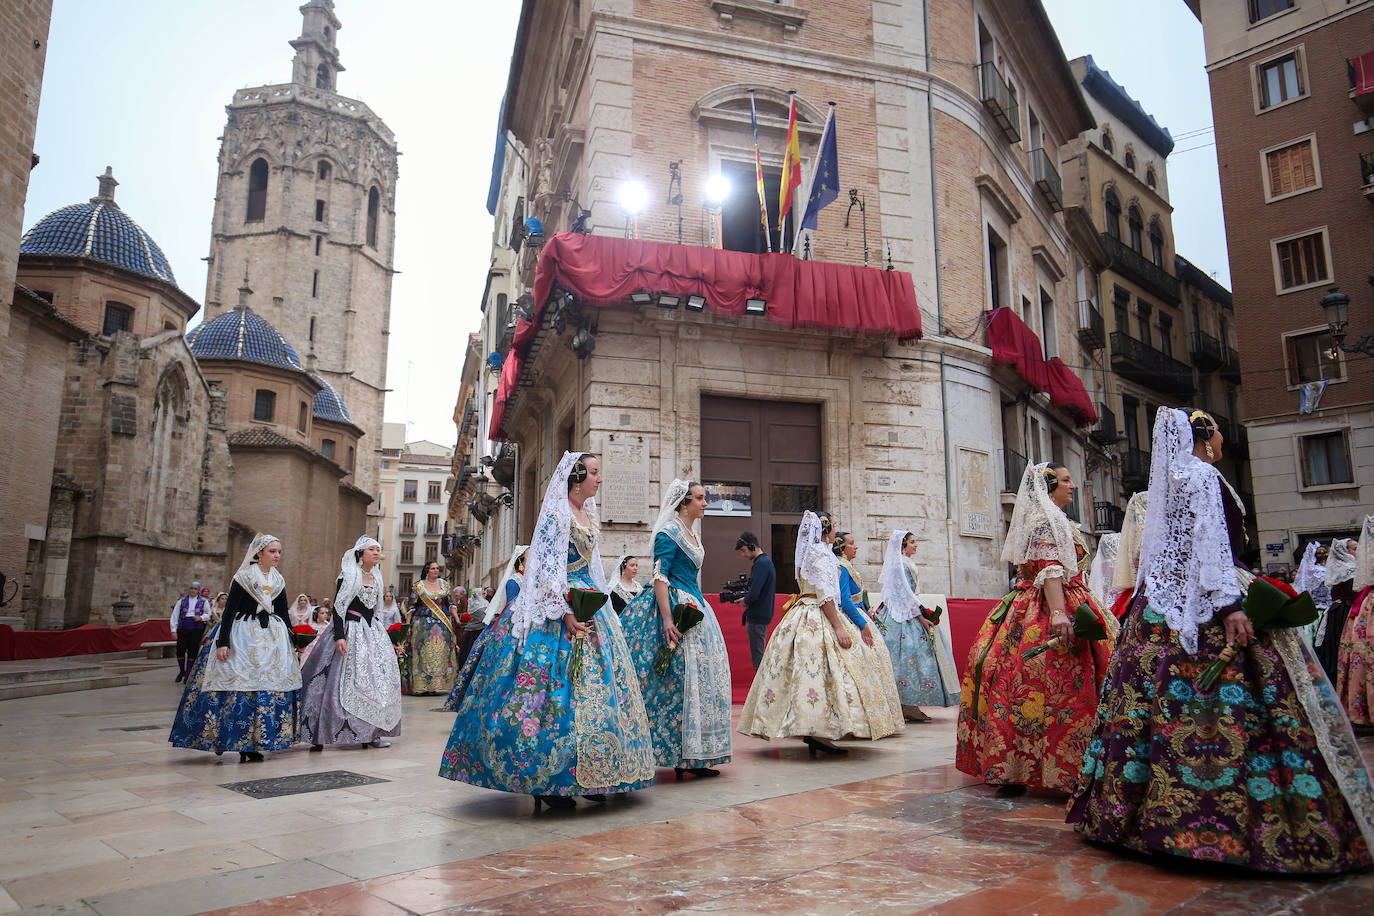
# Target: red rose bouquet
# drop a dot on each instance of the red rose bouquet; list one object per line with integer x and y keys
{"x": 1270, "y": 605}
{"x": 1086, "y": 625}
{"x": 398, "y": 632}
{"x": 302, "y": 635}
{"x": 685, "y": 616}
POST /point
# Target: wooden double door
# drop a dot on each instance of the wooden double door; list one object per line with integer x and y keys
{"x": 761, "y": 465}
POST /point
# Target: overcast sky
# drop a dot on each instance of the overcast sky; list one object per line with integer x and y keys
{"x": 142, "y": 87}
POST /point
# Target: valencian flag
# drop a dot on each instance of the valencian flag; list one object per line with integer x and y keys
{"x": 791, "y": 162}
{"x": 758, "y": 172}
{"x": 825, "y": 179}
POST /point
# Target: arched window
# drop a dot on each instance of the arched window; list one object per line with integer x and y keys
{"x": 324, "y": 170}
{"x": 322, "y": 77}
{"x": 1137, "y": 225}
{"x": 1112, "y": 208}
{"x": 1151, "y": 179}
{"x": 1130, "y": 161}
{"x": 257, "y": 192}
{"x": 1156, "y": 243}
{"x": 374, "y": 201}
{"x": 1107, "y": 140}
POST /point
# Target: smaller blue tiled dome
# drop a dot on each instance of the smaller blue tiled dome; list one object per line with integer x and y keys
{"x": 98, "y": 230}
{"x": 328, "y": 404}
{"x": 242, "y": 334}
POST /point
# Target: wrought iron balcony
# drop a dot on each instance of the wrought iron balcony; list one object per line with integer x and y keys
{"x": 1230, "y": 366}
{"x": 1108, "y": 517}
{"x": 1105, "y": 431}
{"x": 1046, "y": 178}
{"x": 1142, "y": 363}
{"x": 1013, "y": 467}
{"x": 1127, "y": 261}
{"x": 1135, "y": 469}
{"x": 1000, "y": 101}
{"x": 1092, "y": 329}
{"x": 1208, "y": 353}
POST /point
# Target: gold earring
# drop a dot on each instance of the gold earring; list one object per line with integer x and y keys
{"x": 1211, "y": 455}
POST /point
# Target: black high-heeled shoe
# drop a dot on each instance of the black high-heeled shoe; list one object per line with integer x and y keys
{"x": 699, "y": 772}
{"x": 595, "y": 799}
{"x": 815, "y": 746}
{"x": 316, "y": 747}
{"x": 555, "y": 802}
{"x": 250, "y": 757}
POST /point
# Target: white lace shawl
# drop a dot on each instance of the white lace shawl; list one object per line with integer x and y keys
{"x": 816, "y": 562}
{"x": 1039, "y": 529}
{"x": 1311, "y": 577}
{"x": 498, "y": 597}
{"x": 1128, "y": 551}
{"x": 351, "y": 575}
{"x": 1185, "y": 555}
{"x": 898, "y": 596}
{"x": 1102, "y": 572}
{"x": 1340, "y": 566}
{"x": 543, "y": 595}
{"x": 264, "y": 589}
{"x": 1364, "y": 558}
{"x": 667, "y": 511}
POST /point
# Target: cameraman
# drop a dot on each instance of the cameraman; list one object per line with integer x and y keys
{"x": 759, "y": 603}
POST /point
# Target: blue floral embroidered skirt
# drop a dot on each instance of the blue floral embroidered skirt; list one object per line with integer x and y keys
{"x": 914, "y": 662}
{"x": 524, "y": 726}
{"x": 689, "y": 707}
{"x": 220, "y": 720}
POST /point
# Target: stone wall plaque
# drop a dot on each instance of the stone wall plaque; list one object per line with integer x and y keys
{"x": 625, "y": 497}
{"x": 976, "y": 515}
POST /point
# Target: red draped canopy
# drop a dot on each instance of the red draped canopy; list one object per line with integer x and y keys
{"x": 1015, "y": 344}
{"x": 603, "y": 271}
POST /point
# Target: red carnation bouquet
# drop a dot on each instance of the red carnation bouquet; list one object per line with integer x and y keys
{"x": 398, "y": 632}
{"x": 465, "y": 618}
{"x": 302, "y": 635}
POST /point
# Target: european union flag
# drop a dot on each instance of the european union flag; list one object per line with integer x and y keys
{"x": 825, "y": 177}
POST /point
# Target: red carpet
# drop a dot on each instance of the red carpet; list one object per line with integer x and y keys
{"x": 27, "y": 644}
{"x": 966, "y": 615}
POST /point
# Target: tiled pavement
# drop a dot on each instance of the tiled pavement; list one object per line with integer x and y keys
{"x": 102, "y": 820}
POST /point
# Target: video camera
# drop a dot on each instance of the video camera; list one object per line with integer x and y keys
{"x": 734, "y": 591}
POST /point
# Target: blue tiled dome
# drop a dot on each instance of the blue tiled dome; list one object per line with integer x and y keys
{"x": 98, "y": 230}
{"x": 328, "y": 404}
{"x": 242, "y": 334}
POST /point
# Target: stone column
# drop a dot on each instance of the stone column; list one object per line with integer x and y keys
{"x": 52, "y": 606}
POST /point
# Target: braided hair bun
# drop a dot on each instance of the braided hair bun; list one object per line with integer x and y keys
{"x": 1204, "y": 427}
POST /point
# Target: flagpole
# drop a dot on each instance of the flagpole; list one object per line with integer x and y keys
{"x": 758, "y": 177}
{"x": 815, "y": 164}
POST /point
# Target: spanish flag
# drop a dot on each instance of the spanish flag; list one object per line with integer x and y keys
{"x": 791, "y": 162}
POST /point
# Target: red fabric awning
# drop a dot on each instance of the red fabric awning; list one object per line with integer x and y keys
{"x": 1364, "y": 73}
{"x": 603, "y": 271}
{"x": 1014, "y": 344}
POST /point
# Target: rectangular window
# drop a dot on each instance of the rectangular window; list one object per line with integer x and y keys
{"x": 117, "y": 318}
{"x": 1047, "y": 325}
{"x": 1121, "y": 301}
{"x": 264, "y": 403}
{"x": 1142, "y": 316}
{"x": 435, "y": 489}
{"x": 319, "y": 240}
{"x": 431, "y": 524}
{"x": 1280, "y": 80}
{"x": 1290, "y": 169}
{"x": 741, "y": 220}
{"x": 1302, "y": 261}
{"x": 319, "y": 211}
{"x": 303, "y": 417}
{"x": 315, "y": 285}
{"x": 1326, "y": 459}
{"x": 327, "y": 448}
{"x": 408, "y": 523}
{"x": 997, "y": 266}
{"x": 411, "y": 490}
{"x": 352, "y": 461}
{"x": 407, "y": 584}
{"x": 1311, "y": 356}
{"x": 1166, "y": 334}
{"x": 431, "y": 552}
{"x": 1263, "y": 9}
{"x": 407, "y": 551}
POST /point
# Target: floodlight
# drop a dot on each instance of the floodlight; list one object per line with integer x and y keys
{"x": 755, "y": 306}
{"x": 696, "y": 303}
{"x": 668, "y": 300}
{"x": 641, "y": 297}
{"x": 633, "y": 198}
{"x": 717, "y": 189}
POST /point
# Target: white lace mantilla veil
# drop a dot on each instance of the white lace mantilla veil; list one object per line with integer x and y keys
{"x": 1364, "y": 559}
{"x": 351, "y": 574}
{"x": 1039, "y": 529}
{"x": 816, "y": 562}
{"x": 1102, "y": 571}
{"x": 898, "y": 596}
{"x": 1185, "y": 553}
{"x": 498, "y": 597}
{"x": 1128, "y": 551}
{"x": 247, "y": 575}
{"x": 542, "y": 596}
{"x": 1340, "y": 566}
{"x": 1309, "y": 576}
{"x": 675, "y": 493}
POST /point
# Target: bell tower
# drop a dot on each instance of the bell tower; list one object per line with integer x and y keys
{"x": 306, "y": 200}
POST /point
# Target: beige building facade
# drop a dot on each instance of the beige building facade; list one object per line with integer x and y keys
{"x": 422, "y": 470}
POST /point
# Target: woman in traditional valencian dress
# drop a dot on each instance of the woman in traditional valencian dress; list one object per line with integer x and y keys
{"x": 352, "y": 682}
{"x": 1261, "y": 770}
{"x": 871, "y": 644}
{"x": 1311, "y": 578}
{"x": 813, "y": 683}
{"x": 244, "y": 692}
{"x": 1124, "y": 571}
{"x": 625, "y": 587}
{"x": 432, "y": 646}
{"x": 1025, "y": 722}
{"x": 689, "y": 706}
{"x": 1340, "y": 577}
{"x": 553, "y": 708}
{"x": 1355, "y": 665}
{"x": 922, "y": 658}
{"x": 495, "y": 624}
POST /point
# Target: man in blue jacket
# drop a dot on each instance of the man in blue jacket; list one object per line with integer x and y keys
{"x": 763, "y": 588}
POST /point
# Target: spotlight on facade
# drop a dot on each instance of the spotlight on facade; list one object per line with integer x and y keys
{"x": 669, "y": 300}
{"x": 717, "y": 189}
{"x": 641, "y": 297}
{"x": 633, "y": 198}
{"x": 696, "y": 303}
{"x": 755, "y": 306}
{"x": 583, "y": 343}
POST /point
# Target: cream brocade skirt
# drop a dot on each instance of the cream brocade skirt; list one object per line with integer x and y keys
{"x": 808, "y": 685}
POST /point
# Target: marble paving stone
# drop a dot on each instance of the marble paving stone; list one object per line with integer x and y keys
{"x": 329, "y": 839}
{"x": 326, "y": 900}
{"x": 23, "y": 858}
{"x": 196, "y": 895}
{"x": 373, "y": 861}
{"x": 275, "y": 787}
{"x": 157, "y": 842}
{"x": 853, "y": 886}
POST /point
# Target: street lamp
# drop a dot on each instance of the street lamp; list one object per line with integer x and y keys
{"x": 1336, "y": 305}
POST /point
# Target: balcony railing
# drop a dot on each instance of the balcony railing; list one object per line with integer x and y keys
{"x": 1000, "y": 101}
{"x": 1046, "y": 178}
{"x": 1207, "y": 352}
{"x": 1105, "y": 431}
{"x": 1108, "y": 517}
{"x": 1126, "y": 260}
{"x": 1230, "y": 366}
{"x": 1135, "y": 469}
{"x": 1013, "y": 467}
{"x": 1142, "y": 363}
{"x": 1367, "y": 173}
{"x": 1092, "y": 328}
